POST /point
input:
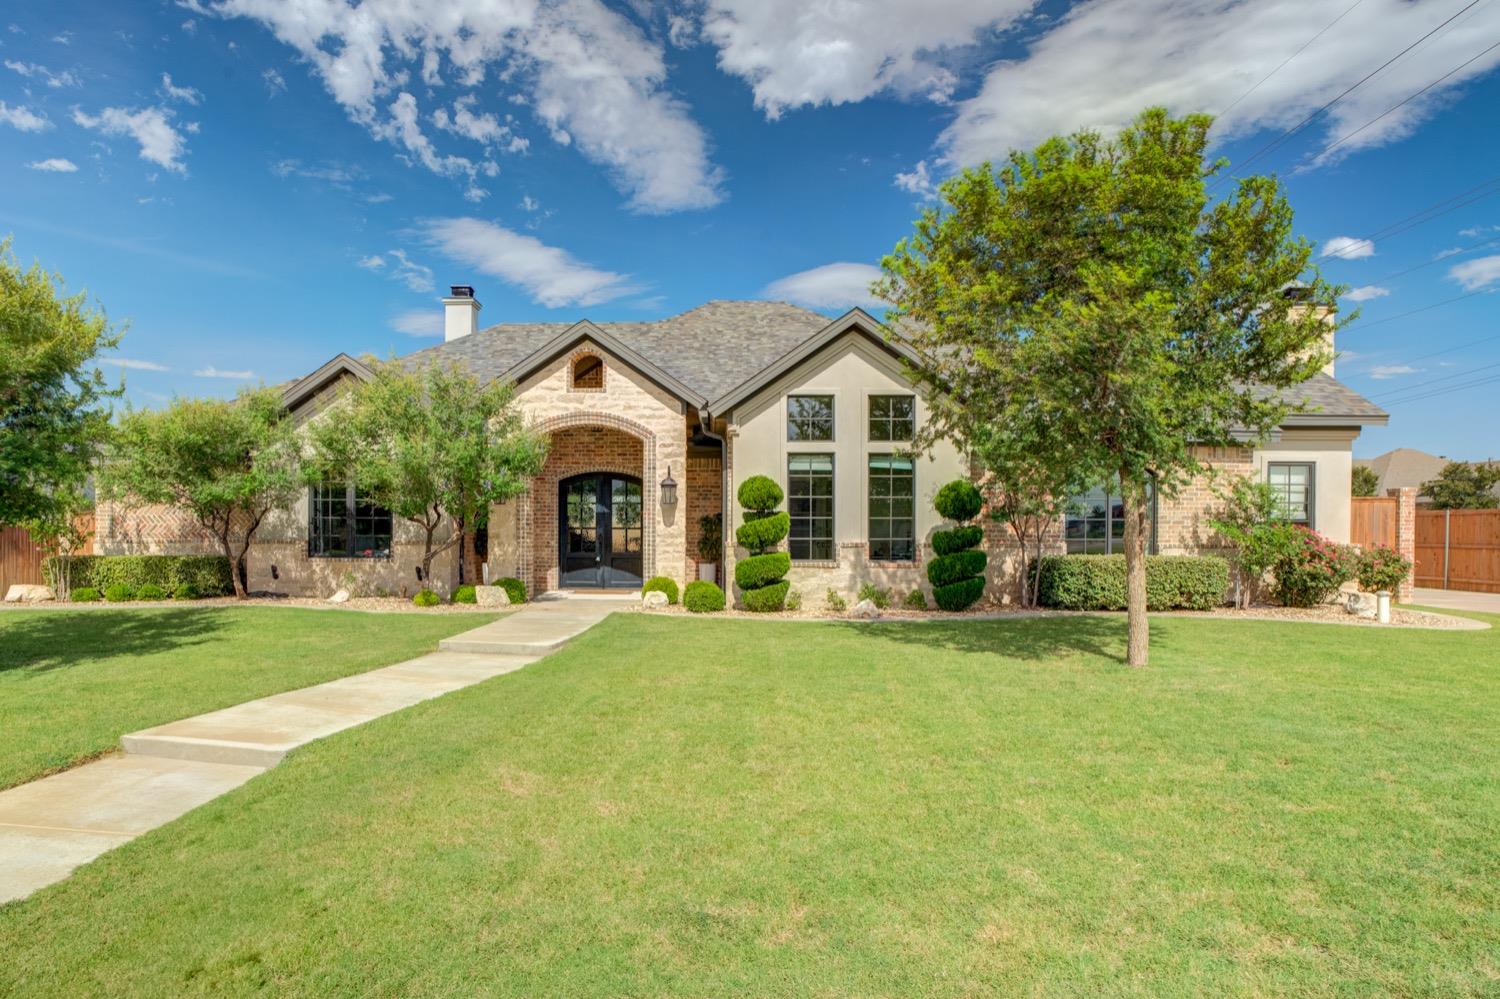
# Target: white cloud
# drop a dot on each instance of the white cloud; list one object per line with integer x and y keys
{"x": 1452, "y": 251}
{"x": 1366, "y": 292}
{"x": 832, "y": 286}
{"x": 415, "y": 276}
{"x": 1101, "y": 62}
{"x": 481, "y": 126}
{"x": 133, "y": 364}
{"x": 55, "y": 165}
{"x": 1383, "y": 371}
{"x": 33, "y": 71}
{"x": 150, "y": 127}
{"x": 551, "y": 276}
{"x": 918, "y": 181}
{"x": 213, "y": 372}
{"x": 795, "y": 53}
{"x": 274, "y": 81}
{"x": 419, "y": 322}
{"x": 529, "y": 204}
{"x": 373, "y": 262}
{"x": 23, "y": 119}
{"x": 1478, "y": 230}
{"x": 591, "y": 76}
{"x": 333, "y": 173}
{"x": 1476, "y": 274}
{"x": 1348, "y": 248}
{"x": 186, "y": 95}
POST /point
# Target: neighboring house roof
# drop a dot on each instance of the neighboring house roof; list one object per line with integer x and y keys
{"x": 1404, "y": 467}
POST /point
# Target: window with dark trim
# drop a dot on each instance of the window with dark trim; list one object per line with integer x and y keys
{"x": 1292, "y": 482}
{"x": 893, "y": 417}
{"x": 342, "y": 524}
{"x": 892, "y": 510}
{"x": 809, "y": 480}
{"x": 809, "y": 417}
{"x": 588, "y": 372}
{"x": 1095, "y": 521}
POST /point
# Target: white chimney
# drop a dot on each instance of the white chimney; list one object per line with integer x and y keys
{"x": 1298, "y": 292}
{"x": 460, "y": 312}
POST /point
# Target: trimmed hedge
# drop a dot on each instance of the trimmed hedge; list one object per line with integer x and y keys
{"x": 514, "y": 588}
{"x": 960, "y": 595}
{"x": 760, "y": 492}
{"x": 947, "y": 569}
{"x": 956, "y": 540}
{"x": 426, "y": 598}
{"x": 118, "y": 593}
{"x": 151, "y": 592}
{"x": 209, "y": 575}
{"x": 661, "y": 584}
{"x": 703, "y": 597}
{"x": 85, "y": 595}
{"x": 1097, "y": 582}
{"x": 756, "y": 571}
{"x": 768, "y": 599}
{"x": 184, "y": 591}
{"x": 465, "y": 595}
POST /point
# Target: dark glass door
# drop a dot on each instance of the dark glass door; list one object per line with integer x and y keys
{"x": 600, "y": 531}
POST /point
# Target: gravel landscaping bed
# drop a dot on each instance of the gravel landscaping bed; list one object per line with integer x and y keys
{"x": 371, "y": 605}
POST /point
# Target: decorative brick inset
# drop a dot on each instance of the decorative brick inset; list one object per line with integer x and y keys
{"x": 1406, "y": 536}
{"x": 703, "y": 495}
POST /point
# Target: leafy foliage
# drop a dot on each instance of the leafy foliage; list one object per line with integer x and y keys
{"x": 955, "y": 573}
{"x": 54, "y": 409}
{"x": 118, "y": 593}
{"x": 85, "y": 595}
{"x": 514, "y": 589}
{"x": 1309, "y": 568}
{"x": 702, "y": 597}
{"x": 959, "y": 596}
{"x": 1250, "y": 521}
{"x": 432, "y": 445}
{"x": 760, "y": 492}
{"x": 915, "y": 600}
{"x": 759, "y": 576}
{"x": 662, "y": 584}
{"x": 185, "y": 591}
{"x": 1381, "y": 569}
{"x": 229, "y": 463}
{"x": 1363, "y": 481}
{"x": 756, "y": 571}
{"x": 426, "y": 598}
{"x": 763, "y": 531}
{"x": 1087, "y": 303}
{"x": 711, "y": 537}
{"x": 959, "y": 501}
{"x": 465, "y": 595}
{"x": 878, "y": 596}
{"x": 151, "y": 592}
{"x": 1464, "y": 485}
{"x": 954, "y": 566}
{"x": 208, "y": 575}
{"x": 767, "y": 599}
{"x": 957, "y": 539}
{"x": 1097, "y": 582}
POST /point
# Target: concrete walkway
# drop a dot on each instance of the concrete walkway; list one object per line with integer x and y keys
{"x": 50, "y": 826}
{"x": 1484, "y": 603}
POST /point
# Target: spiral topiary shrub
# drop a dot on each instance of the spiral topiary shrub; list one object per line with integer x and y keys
{"x": 957, "y": 573}
{"x": 465, "y": 595}
{"x": 703, "y": 597}
{"x": 426, "y": 598}
{"x": 661, "y": 584}
{"x": 760, "y": 576}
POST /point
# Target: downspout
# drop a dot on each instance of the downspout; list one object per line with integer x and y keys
{"x": 705, "y": 422}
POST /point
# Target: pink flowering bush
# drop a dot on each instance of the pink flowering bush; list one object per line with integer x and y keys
{"x": 1381, "y": 568}
{"x": 1308, "y": 568}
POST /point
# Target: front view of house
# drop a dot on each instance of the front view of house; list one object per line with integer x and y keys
{"x": 653, "y": 426}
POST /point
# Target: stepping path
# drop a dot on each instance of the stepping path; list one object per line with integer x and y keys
{"x": 50, "y": 826}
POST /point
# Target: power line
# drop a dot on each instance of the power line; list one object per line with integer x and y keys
{"x": 1449, "y": 350}
{"x": 1433, "y": 381}
{"x": 1437, "y": 260}
{"x": 1289, "y": 58}
{"x": 1449, "y": 390}
{"x": 1485, "y": 189}
{"x": 1284, "y": 136}
{"x": 1425, "y": 308}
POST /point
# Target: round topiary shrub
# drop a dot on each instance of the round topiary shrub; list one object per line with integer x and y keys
{"x": 760, "y": 576}
{"x": 957, "y": 573}
{"x": 85, "y": 595}
{"x": 514, "y": 588}
{"x": 184, "y": 591}
{"x": 151, "y": 592}
{"x": 118, "y": 593}
{"x": 703, "y": 597}
{"x": 661, "y": 584}
{"x": 465, "y": 595}
{"x": 426, "y": 598}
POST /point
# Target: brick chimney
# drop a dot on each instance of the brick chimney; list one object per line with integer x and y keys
{"x": 460, "y": 312}
{"x": 1298, "y": 292}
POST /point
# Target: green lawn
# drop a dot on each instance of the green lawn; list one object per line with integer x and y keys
{"x": 694, "y": 807}
{"x": 73, "y": 682}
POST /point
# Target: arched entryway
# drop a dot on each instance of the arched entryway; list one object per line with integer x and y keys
{"x": 600, "y": 531}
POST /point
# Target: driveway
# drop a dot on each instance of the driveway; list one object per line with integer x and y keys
{"x": 1486, "y": 603}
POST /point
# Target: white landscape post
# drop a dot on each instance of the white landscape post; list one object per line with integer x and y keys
{"x": 1383, "y": 606}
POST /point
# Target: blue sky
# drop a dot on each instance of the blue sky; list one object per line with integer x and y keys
{"x": 255, "y": 185}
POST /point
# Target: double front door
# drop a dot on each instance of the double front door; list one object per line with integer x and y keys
{"x": 600, "y": 531}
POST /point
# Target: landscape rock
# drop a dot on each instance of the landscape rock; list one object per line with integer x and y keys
{"x": 1361, "y": 604}
{"x": 27, "y": 593}
{"x": 654, "y": 599}
{"x": 341, "y": 597}
{"x": 491, "y": 596}
{"x": 867, "y": 610}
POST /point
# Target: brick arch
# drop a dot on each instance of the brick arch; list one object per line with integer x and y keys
{"x": 537, "y": 509}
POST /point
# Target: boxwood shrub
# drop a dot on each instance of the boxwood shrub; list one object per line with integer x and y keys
{"x": 768, "y": 599}
{"x": 703, "y": 597}
{"x": 1097, "y": 582}
{"x": 514, "y": 588}
{"x": 118, "y": 593}
{"x": 209, "y": 575}
{"x": 661, "y": 584}
{"x": 956, "y": 540}
{"x": 755, "y": 571}
{"x": 85, "y": 595}
{"x": 759, "y": 576}
{"x": 465, "y": 595}
{"x": 185, "y": 591}
{"x": 426, "y": 598}
{"x": 151, "y": 591}
{"x": 957, "y": 573}
{"x": 960, "y": 595}
{"x": 951, "y": 568}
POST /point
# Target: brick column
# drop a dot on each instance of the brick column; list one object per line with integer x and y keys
{"x": 1406, "y": 535}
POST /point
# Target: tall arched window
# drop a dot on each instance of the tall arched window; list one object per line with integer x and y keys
{"x": 588, "y": 372}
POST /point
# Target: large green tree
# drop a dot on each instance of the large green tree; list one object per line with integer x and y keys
{"x": 54, "y": 402}
{"x": 1089, "y": 301}
{"x": 1464, "y": 485}
{"x": 229, "y": 462}
{"x": 431, "y": 444}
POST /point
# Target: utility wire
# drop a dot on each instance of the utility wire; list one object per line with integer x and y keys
{"x": 1284, "y": 136}
{"x": 1289, "y": 58}
{"x": 1413, "y": 312}
{"x": 1449, "y": 390}
{"x": 1433, "y": 381}
{"x": 1437, "y": 260}
{"x": 1485, "y": 189}
{"x": 1449, "y": 350}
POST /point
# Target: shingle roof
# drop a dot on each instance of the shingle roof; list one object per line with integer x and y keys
{"x": 1328, "y": 399}
{"x": 711, "y": 348}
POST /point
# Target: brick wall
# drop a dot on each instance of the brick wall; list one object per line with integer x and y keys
{"x": 702, "y": 494}
{"x": 1182, "y": 521}
{"x": 1406, "y": 536}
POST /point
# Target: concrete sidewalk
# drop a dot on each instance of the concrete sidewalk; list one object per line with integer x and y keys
{"x": 50, "y": 826}
{"x": 1484, "y": 603}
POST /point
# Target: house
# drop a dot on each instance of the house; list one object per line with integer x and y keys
{"x": 1406, "y": 466}
{"x": 654, "y": 425}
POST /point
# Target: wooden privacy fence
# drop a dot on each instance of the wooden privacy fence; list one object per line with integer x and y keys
{"x": 1459, "y": 549}
{"x": 1372, "y": 521}
{"x": 21, "y": 559}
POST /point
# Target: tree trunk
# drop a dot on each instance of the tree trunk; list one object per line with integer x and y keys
{"x": 1138, "y": 630}
{"x": 234, "y": 568}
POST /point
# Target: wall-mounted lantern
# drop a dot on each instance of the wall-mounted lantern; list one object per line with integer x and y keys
{"x": 669, "y": 489}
